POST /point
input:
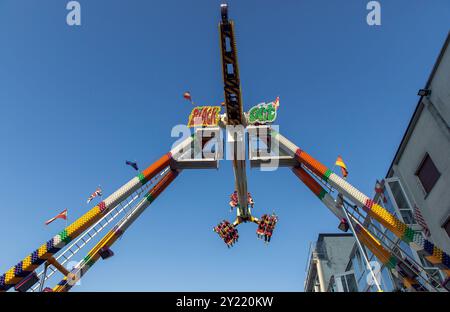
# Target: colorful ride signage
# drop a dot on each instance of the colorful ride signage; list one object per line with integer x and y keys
{"x": 204, "y": 116}
{"x": 263, "y": 113}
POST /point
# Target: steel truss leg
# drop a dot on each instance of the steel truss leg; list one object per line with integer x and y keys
{"x": 16, "y": 273}
{"x": 414, "y": 238}
{"x": 110, "y": 238}
{"x": 361, "y": 234}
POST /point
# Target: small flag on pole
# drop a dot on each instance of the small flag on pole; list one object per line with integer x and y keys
{"x": 421, "y": 221}
{"x": 379, "y": 190}
{"x": 276, "y": 103}
{"x": 378, "y": 187}
{"x": 187, "y": 96}
{"x": 133, "y": 164}
{"x": 340, "y": 163}
{"x": 61, "y": 215}
{"x": 98, "y": 192}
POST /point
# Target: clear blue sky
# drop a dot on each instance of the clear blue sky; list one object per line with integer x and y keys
{"x": 76, "y": 102}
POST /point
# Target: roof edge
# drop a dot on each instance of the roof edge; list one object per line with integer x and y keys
{"x": 419, "y": 108}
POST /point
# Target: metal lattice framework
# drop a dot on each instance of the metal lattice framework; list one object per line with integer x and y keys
{"x": 132, "y": 199}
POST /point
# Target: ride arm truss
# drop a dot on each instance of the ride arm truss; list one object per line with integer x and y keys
{"x": 413, "y": 238}
{"x": 230, "y": 71}
{"x": 387, "y": 258}
{"x": 234, "y": 107}
{"x": 71, "y": 250}
{"x": 311, "y": 172}
{"x": 90, "y": 219}
{"x": 111, "y": 237}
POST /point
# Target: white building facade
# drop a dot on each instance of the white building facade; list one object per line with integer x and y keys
{"x": 422, "y": 161}
{"x": 418, "y": 179}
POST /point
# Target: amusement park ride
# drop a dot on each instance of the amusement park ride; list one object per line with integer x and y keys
{"x": 353, "y": 209}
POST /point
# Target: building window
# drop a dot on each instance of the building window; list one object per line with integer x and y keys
{"x": 351, "y": 282}
{"x": 434, "y": 275}
{"x": 345, "y": 282}
{"x": 402, "y": 203}
{"x": 427, "y": 173}
{"x": 446, "y": 226}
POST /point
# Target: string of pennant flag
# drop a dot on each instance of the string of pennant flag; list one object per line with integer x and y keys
{"x": 97, "y": 193}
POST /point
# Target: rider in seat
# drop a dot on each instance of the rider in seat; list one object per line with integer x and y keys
{"x": 261, "y": 226}
{"x": 234, "y": 200}
{"x": 250, "y": 200}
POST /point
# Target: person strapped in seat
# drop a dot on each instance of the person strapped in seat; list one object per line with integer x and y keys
{"x": 227, "y": 232}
